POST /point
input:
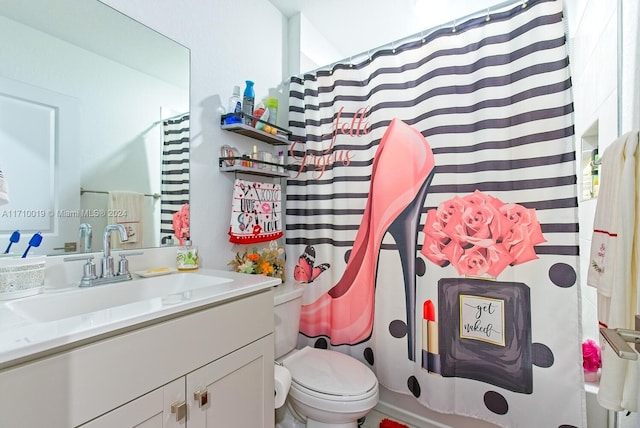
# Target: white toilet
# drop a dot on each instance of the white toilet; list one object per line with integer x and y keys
{"x": 328, "y": 389}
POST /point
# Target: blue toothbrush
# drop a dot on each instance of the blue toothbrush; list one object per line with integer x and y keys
{"x": 15, "y": 237}
{"x": 33, "y": 242}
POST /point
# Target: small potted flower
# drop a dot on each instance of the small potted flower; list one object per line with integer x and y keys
{"x": 267, "y": 262}
{"x": 591, "y": 360}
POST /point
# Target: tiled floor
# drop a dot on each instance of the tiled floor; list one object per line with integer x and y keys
{"x": 374, "y": 417}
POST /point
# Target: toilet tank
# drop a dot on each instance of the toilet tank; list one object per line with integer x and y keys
{"x": 287, "y": 304}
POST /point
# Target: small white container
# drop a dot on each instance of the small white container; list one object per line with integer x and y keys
{"x": 21, "y": 277}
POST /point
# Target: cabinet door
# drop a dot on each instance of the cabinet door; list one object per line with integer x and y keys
{"x": 152, "y": 410}
{"x": 239, "y": 389}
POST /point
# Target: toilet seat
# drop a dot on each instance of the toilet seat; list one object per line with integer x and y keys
{"x": 330, "y": 375}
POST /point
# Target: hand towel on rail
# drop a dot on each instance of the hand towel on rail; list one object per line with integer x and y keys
{"x": 255, "y": 212}
{"x": 127, "y": 209}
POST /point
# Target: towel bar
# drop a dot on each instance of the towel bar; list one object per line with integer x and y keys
{"x": 617, "y": 338}
{"x": 104, "y": 192}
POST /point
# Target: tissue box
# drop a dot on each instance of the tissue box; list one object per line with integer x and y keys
{"x": 21, "y": 277}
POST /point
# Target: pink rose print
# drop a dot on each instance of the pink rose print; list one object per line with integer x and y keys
{"x": 479, "y": 234}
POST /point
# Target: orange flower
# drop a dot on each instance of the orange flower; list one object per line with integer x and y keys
{"x": 264, "y": 262}
{"x": 266, "y": 268}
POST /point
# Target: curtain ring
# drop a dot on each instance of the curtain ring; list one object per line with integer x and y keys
{"x": 453, "y": 30}
{"x": 488, "y": 18}
{"x": 524, "y": 3}
{"x": 350, "y": 62}
{"x": 422, "y": 36}
{"x": 393, "y": 47}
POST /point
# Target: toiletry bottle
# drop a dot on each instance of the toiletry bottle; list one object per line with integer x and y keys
{"x": 595, "y": 170}
{"x": 187, "y": 257}
{"x": 248, "y": 100}
{"x": 234, "y": 106}
{"x": 281, "y": 161}
{"x": 272, "y": 106}
{"x": 255, "y": 156}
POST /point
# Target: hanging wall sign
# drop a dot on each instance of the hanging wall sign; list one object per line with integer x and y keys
{"x": 255, "y": 212}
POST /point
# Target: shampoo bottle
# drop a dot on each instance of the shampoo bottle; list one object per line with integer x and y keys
{"x": 272, "y": 106}
{"x": 248, "y": 100}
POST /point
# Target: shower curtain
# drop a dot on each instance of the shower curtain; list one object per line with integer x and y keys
{"x": 431, "y": 214}
{"x": 175, "y": 171}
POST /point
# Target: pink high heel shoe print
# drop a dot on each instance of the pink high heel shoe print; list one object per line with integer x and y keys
{"x": 402, "y": 171}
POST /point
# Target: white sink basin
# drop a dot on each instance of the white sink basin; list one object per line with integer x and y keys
{"x": 158, "y": 291}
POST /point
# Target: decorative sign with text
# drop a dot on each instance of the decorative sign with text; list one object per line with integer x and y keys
{"x": 255, "y": 212}
{"x": 482, "y": 318}
{"x": 354, "y": 127}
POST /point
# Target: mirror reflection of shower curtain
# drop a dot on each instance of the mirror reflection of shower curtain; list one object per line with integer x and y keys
{"x": 175, "y": 171}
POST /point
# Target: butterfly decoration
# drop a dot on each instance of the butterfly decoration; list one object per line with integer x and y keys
{"x": 306, "y": 271}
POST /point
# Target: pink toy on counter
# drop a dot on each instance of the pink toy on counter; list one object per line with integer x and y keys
{"x": 181, "y": 223}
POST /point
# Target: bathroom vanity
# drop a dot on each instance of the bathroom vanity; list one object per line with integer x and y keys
{"x": 172, "y": 357}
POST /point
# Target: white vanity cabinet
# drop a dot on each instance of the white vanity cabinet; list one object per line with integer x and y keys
{"x": 152, "y": 410}
{"x": 133, "y": 377}
{"x": 235, "y": 388}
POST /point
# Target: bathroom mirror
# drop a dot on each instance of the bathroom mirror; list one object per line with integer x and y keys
{"x": 84, "y": 92}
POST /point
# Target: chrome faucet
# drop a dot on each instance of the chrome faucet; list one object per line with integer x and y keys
{"x": 108, "y": 275}
{"x": 85, "y": 237}
{"x": 107, "y": 260}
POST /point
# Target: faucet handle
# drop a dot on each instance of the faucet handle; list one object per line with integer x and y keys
{"x": 130, "y": 253}
{"x": 76, "y": 258}
{"x": 123, "y": 264}
{"x": 88, "y": 269}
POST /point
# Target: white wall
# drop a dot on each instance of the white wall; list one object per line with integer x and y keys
{"x": 308, "y": 48}
{"x": 229, "y": 43}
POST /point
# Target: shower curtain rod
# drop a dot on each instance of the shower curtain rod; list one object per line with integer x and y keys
{"x": 416, "y": 36}
{"x": 158, "y": 122}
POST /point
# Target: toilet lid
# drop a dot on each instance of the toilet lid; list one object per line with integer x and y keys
{"x": 329, "y": 372}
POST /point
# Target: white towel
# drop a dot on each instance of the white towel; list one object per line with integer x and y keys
{"x": 127, "y": 209}
{"x": 611, "y": 259}
{"x": 4, "y": 190}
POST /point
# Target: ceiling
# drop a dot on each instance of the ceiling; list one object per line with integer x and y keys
{"x": 357, "y": 26}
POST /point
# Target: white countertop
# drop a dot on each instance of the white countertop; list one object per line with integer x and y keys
{"x": 23, "y": 338}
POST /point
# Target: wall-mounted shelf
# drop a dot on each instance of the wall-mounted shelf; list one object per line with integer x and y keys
{"x": 257, "y": 167}
{"x": 279, "y": 139}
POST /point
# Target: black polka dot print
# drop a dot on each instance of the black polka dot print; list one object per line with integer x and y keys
{"x": 368, "y": 355}
{"x": 421, "y": 267}
{"x": 541, "y": 355}
{"x": 321, "y": 343}
{"x": 398, "y": 329}
{"x": 563, "y": 275}
{"x": 496, "y": 402}
{"x": 414, "y": 386}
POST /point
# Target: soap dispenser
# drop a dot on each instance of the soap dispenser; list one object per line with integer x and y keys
{"x": 187, "y": 257}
